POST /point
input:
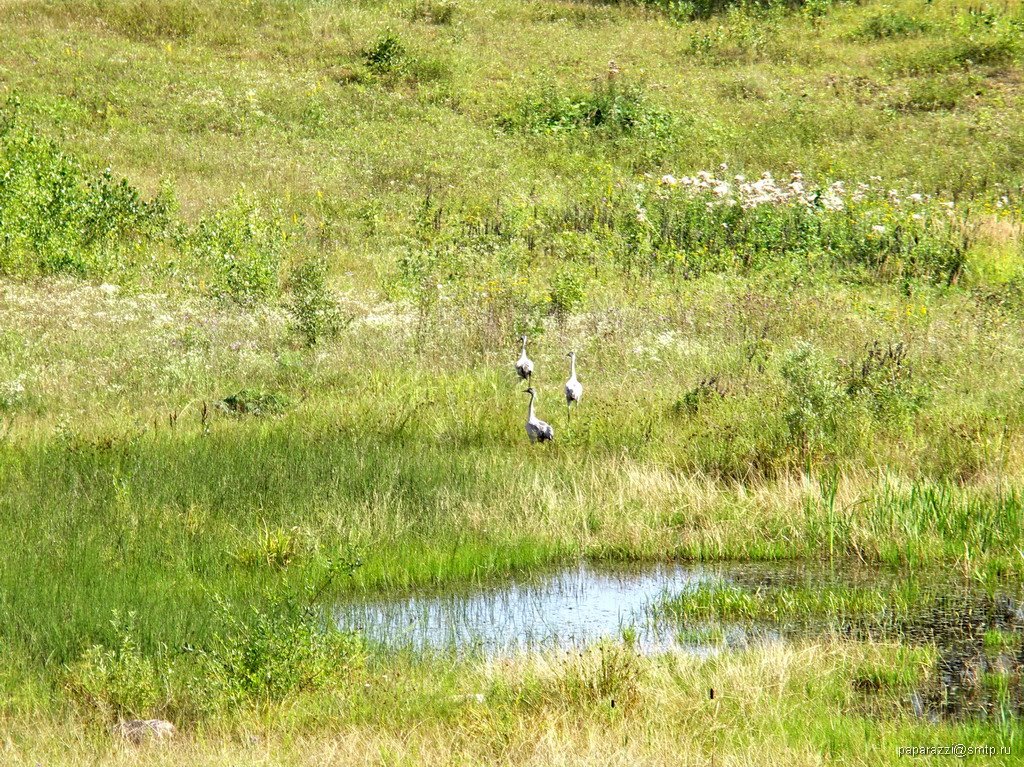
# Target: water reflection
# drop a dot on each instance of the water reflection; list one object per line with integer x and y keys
{"x": 569, "y": 608}
{"x": 979, "y": 635}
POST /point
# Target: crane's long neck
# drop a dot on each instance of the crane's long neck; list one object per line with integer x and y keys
{"x": 572, "y": 366}
{"x": 530, "y": 415}
{"x": 524, "y": 346}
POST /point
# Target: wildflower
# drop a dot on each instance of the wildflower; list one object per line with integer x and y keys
{"x": 669, "y": 180}
{"x": 878, "y": 229}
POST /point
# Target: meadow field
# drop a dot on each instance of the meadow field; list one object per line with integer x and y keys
{"x": 263, "y": 270}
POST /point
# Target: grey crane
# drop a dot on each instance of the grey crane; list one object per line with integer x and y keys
{"x": 524, "y": 365}
{"x": 536, "y": 429}
{"x": 573, "y": 388}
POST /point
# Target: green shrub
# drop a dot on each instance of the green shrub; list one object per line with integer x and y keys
{"x": 689, "y": 10}
{"x": 387, "y": 55}
{"x": 814, "y": 398}
{"x": 890, "y": 23}
{"x": 240, "y": 249}
{"x": 57, "y": 217}
{"x": 267, "y": 655}
{"x": 117, "y": 682}
{"x": 609, "y": 107}
{"x": 568, "y": 291}
{"x": 883, "y": 379}
{"x": 706, "y": 391}
{"x": 257, "y": 402}
{"x": 314, "y": 310}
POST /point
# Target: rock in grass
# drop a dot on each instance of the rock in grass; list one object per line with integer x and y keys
{"x": 138, "y": 731}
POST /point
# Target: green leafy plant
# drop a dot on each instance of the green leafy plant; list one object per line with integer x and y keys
{"x": 814, "y": 397}
{"x": 241, "y": 249}
{"x": 117, "y": 681}
{"x": 315, "y": 312}
{"x": 58, "y": 217}
{"x": 609, "y": 107}
{"x": 568, "y": 291}
{"x": 387, "y": 55}
{"x": 257, "y": 402}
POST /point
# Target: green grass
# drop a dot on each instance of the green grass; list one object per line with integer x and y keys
{"x": 283, "y": 343}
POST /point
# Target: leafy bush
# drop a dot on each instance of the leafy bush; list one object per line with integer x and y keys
{"x": 890, "y": 23}
{"x": 568, "y": 291}
{"x": 684, "y": 229}
{"x": 315, "y": 312}
{"x": 814, "y": 399}
{"x": 257, "y": 402}
{"x": 989, "y": 50}
{"x": 883, "y": 380}
{"x": 387, "y": 55}
{"x": 57, "y": 217}
{"x": 690, "y": 10}
{"x": 120, "y": 681}
{"x": 705, "y": 391}
{"x": 240, "y": 248}
{"x": 268, "y": 655}
{"x": 609, "y": 107}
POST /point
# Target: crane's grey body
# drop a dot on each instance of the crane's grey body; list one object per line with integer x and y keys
{"x": 524, "y": 365}
{"x": 536, "y": 429}
{"x": 573, "y": 388}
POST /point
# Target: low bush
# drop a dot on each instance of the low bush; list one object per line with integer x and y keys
{"x": 609, "y": 108}
{"x": 57, "y": 217}
{"x": 315, "y": 312}
{"x": 268, "y": 655}
{"x": 239, "y": 249}
{"x": 119, "y": 681}
{"x": 890, "y": 23}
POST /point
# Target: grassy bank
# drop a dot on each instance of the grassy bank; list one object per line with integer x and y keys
{"x": 847, "y": 702}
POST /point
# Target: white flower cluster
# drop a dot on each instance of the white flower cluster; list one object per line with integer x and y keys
{"x": 12, "y": 392}
{"x": 767, "y": 190}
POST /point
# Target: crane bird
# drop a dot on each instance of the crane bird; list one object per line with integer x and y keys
{"x": 524, "y": 365}
{"x": 536, "y": 429}
{"x": 573, "y": 388}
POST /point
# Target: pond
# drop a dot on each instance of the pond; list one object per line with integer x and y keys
{"x": 979, "y": 634}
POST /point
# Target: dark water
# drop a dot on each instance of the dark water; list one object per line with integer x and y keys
{"x": 979, "y": 634}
